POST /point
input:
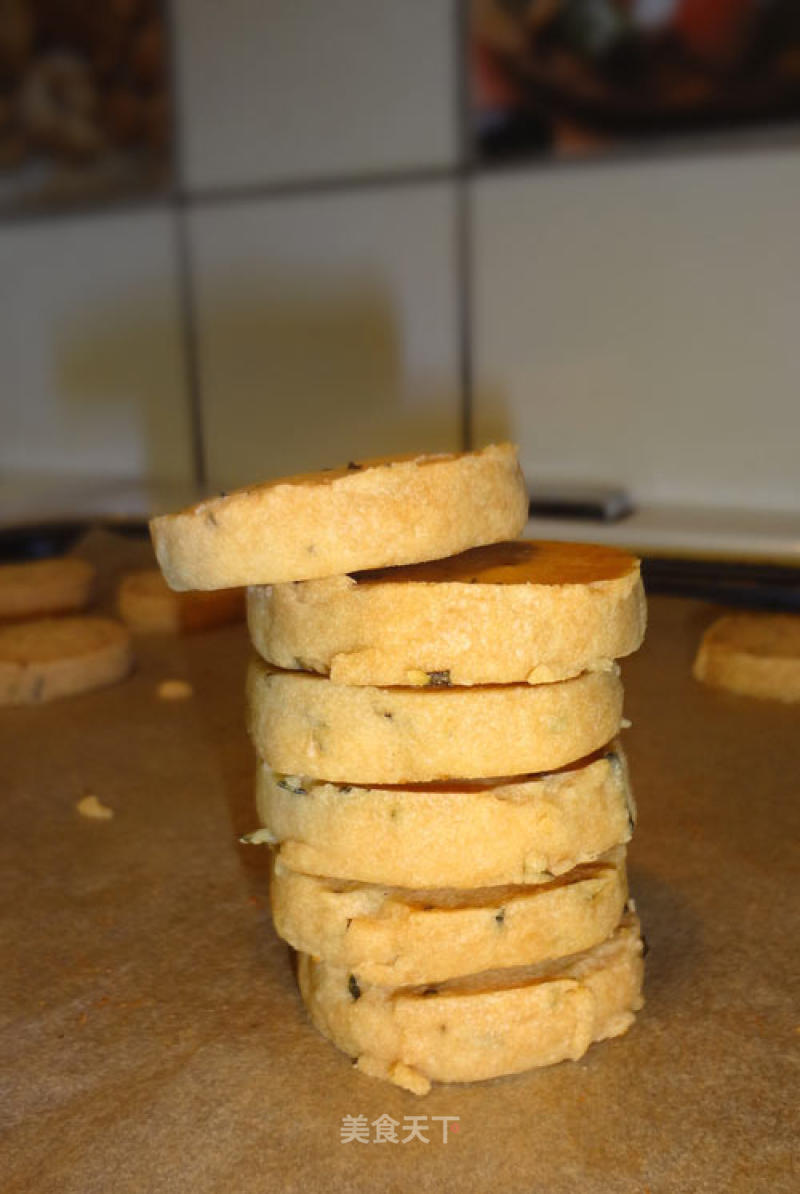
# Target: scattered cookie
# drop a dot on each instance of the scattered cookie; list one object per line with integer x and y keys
{"x": 371, "y": 514}
{"x": 89, "y": 806}
{"x": 148, "y": 605}
{"x": 44, "y": 587}
{"x": 304, "y": 724}
{"x": 482, "y": 1026}
{"x": 395, "y": 937}
{"x": 522, "y": 830}
{"x": 752, "y": 654}
{"x": 56, "y": 657}
{"x": 522, "y": 611}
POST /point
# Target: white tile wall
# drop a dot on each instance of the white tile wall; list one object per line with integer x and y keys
{"x": 92, "y": 366}
{"x": 327, "y": 329}
{"x": 641, "y": 323}
{"x": 286, "y": 89}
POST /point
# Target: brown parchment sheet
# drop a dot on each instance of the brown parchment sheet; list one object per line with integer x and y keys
{"x": 152, "y": 1037}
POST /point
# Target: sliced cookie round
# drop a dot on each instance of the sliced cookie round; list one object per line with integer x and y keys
{"x": 40, "y": 587}
{"x": 754, "y": 655}
{"x": 393, "y": 937}
{"x": 148, "y": 605}
{"x": 484, "y": 1026}
{"x": 521, "y": 611}
{"x": 304, "y": 724}
{"x": 522, "y": 830}
{"x": 56, "y": 657}
{"x": 371, "y": 514}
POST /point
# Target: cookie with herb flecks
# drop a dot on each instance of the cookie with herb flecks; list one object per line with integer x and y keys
{"x": 525, "y": 829}
{"x": 369, "y": 514}
{"x": 304, "y": 724}
{"x": 56, "y": 657}
{"x": 394, "y": 936}
{"x": 482, "y": 1026}
{"x": 519, "y": 611}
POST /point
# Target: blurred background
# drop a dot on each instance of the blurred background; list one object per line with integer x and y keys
{"x": 251, "y": 238}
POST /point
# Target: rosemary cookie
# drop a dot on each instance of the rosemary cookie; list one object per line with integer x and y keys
{"x": 468, "y": 834}
{"x": 304, "y": 724}
{"x": 522, "y": 611}
{"x": 148, "y": 605}
{"x": 482, "y": 1026}
{"x": 40, "y": 587}
{"x": 393, "y": 937}
{"x": 752, "y": 654}
{"x": 55, "y": 657}
{"x": 371, "y": 514}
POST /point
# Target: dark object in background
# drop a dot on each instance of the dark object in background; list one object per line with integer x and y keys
{"x": 84, "y": 101}
{"x": 744, "y": 585}
{"x": 584, "y": 76}
{"x": 42, "y": 540}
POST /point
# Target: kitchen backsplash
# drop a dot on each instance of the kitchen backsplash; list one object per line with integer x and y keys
{"x": 327, "y": 281}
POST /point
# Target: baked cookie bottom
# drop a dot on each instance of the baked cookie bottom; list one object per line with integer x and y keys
{"x": 486, "y": 1025}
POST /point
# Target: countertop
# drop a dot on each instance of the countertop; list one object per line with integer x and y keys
{"x": 152, "y": 1036}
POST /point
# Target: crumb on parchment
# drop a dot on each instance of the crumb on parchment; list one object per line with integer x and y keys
{"x": 174, "y": 690}
{"x": 90, "y": 806}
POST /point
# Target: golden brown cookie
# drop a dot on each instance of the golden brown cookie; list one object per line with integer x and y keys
{"x": 521, "y": 611}
{"x": 148, "y": 605}
{"x": 483, "y": 1026}
{"x": 40, "y": 587}
{"x": 304, "y": 724}
{"x": 752, "y": 654}
{"x": 469, "y": 834}
{"x": 55, "y": 657}
{"x": 394, "y": 937}
{"x": 371, "y": 514}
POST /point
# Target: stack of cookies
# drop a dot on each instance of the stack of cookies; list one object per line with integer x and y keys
{"x": 435, "y": 708}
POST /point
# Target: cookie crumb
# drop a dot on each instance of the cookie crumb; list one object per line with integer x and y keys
{"x": 89, "y": 806}
{"x": 174, "y": 690}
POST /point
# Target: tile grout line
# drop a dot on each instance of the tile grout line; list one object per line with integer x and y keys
{"x": 463, "y": 224}
{"x": 189, "y": 336}
{"x": 182, "y": 254}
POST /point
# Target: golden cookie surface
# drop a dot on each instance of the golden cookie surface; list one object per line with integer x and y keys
{"x": 509, "y": 612}
{"x": 754, "y": 655}
{"x": 44, "y": 587}
{"x": 54, "y": 657}
{"x": 371, "y": 514}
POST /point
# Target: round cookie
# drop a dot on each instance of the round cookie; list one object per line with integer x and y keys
{"x": 394, "y": 937}
{"x": 520, "y": 830}
{"x": 752, "y": 654}
{"x": 40, "y": 587}
{"x": 521, "y": 611}
{"x": 371, "y": 514}
{"x": 148, "y": 605}
{"x": 484, "y": 1026}
{"x": 304, "y": 724}
{"x": 56, "y": 657}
